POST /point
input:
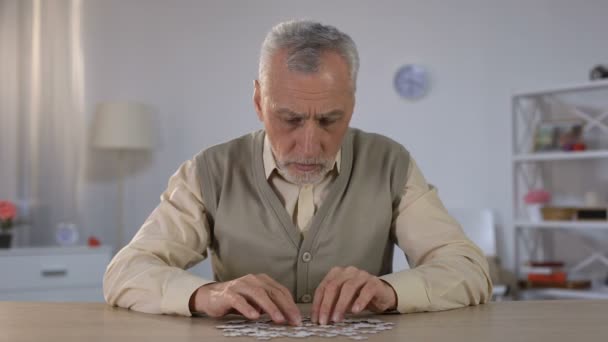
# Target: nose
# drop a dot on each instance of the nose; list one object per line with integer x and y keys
{"x": 311, "y": 144}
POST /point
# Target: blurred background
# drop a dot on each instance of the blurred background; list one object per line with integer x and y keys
{"x": 102, "y": 100}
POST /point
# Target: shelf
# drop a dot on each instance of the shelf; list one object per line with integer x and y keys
{"x": 599, "y": 225}
{"x": 567, "y": 293}
{"x": 590, "y": 85}
{"x": 552, "y": 156}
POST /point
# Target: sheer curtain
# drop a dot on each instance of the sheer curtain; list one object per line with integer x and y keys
{"x": 42, "y": 142}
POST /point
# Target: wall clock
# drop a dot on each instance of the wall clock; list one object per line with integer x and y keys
{"x": 412, "y": 81}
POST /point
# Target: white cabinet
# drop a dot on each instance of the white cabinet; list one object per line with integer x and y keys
{"x": 53, "y": 273}
{"x": 540, "y": 120}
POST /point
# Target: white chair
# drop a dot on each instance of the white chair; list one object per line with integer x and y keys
{"x": 479, "y": 226}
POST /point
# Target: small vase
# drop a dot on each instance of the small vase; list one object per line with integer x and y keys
{"x": 6, "y": 239}
{"x": 535, "y": 212}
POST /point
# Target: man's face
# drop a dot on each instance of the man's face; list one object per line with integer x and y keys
{"x": 305, "y": 115}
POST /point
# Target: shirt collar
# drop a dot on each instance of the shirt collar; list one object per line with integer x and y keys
{"x": 270, "y": 163}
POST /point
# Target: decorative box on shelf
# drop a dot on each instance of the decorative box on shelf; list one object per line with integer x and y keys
{"x": 550, "y": 213}
{"x": 53, "y": 273}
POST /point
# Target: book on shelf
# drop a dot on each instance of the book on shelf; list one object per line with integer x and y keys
{"x": 542, "y": 268}
{"x": 569, "y": 284}
{"x": 549, "y": 274}
{"x": 553, "y": 278}
{"x": 545, "y": 272}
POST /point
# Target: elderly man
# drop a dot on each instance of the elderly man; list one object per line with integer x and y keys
{"x": 305, "y": 210}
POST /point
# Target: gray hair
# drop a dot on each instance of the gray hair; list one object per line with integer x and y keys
{"x": 305, "y": 41}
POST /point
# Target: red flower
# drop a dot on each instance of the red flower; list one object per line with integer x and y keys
{"x": 537, "y": 196}
{"x": 8, "y": 211}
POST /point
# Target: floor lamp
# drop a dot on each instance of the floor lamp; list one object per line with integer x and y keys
{"x": 123, "y": 127}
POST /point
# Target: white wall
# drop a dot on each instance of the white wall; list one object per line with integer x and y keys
{"x": 194, "y": 61}
{"x": 9, "y": 96}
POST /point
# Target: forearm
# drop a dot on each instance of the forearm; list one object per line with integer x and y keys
{"x": 149, "y": 274}
{"x": 449, "y": 270}
{"x": 141, "y": 281}
{"x": 457, "y": 278}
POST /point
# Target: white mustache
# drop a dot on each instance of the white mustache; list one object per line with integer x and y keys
{"x": 308, "y": 161}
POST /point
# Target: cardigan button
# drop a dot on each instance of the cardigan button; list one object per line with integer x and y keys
{"x": 306, "y": 257}
{"x": 306, "y": 298}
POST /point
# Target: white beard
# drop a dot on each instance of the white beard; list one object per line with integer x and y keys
{"x": 304, "y": 178}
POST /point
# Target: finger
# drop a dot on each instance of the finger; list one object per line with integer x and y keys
{"x": 366, "y": 294}
{"x": 257, "y": 307}
{"x": 318, "y": 297}
{"x": 316, "y": 303}
{"x": 286, "y": 294}
{"x": 287, "y": 306}
{"x": 259, "y": 296}
{"x": 267, "y": 279}
{"x": 242, "y": 306}
{"x": 348, "y": 294}
{"x": 330, "y": 295}
{"x": 385, "y": 299}
{"x": 254, "y": 290}
{"x": 332, "y": 291}
{"x": 282, "y": 297}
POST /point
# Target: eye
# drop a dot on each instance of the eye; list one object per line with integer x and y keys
{"x": 326, "y": 122}
{"x": 294, "y": 121}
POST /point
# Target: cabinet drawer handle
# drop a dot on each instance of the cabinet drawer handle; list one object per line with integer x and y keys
{"x": 54, "y": 273}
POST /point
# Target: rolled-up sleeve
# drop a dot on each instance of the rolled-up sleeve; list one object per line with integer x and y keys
{"x": 448, "y": 270}
{"x": 148, "y": 275}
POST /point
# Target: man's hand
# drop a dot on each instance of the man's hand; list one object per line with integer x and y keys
{"x": 249, "y": 295}
{"x": 350, "y": 290}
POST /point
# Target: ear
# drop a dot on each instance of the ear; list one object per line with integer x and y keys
{"x": 257, "y": 99}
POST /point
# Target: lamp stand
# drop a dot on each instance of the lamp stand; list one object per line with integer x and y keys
{"x": 120, "y": 228}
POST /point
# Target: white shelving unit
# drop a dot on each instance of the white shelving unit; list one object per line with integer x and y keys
{"x": 563, "y": 173}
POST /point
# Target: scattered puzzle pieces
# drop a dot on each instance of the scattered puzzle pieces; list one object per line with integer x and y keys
{"x": 264, "y": 329}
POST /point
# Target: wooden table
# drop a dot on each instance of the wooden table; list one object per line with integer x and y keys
{"x": 551, "y": 321}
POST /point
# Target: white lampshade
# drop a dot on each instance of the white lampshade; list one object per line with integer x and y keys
{"x": 124, "y": 126}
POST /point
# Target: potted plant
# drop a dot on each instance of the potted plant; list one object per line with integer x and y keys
{"x": 8, "y": 213}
